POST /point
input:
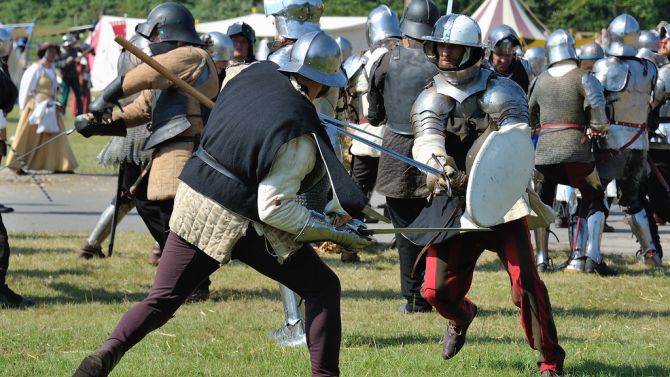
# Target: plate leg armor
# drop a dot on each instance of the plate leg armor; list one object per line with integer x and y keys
{"x": 596, "y": 224}
{"x": 577, "y": 260}
{"x": 293, "y": 331}
{"x": 542, "y": 249}
{"x": 639, "y": 224}
{"x": 104, "y": 226}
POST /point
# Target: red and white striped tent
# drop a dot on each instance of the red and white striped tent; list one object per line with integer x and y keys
{"x": 510, "y": 12}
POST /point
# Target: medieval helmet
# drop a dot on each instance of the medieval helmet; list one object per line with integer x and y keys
{"x": 243, "y": 29}
{"x": 128, "y": 61}
{"x": 382, "y": 23}
{"x": 419, "y": 18}
{"x": 5, "y": 42}
{"x": 624, "y": 32}
{"x": 537, "y": 59}
{"x": 503, "y": 40}
{"x": 68, "y": 40}
{"x": 560, "y": 46}
{"x": 353, "y": 64}
{"x": 173, "y": 22}
{"x": 457, "y": 29}
{"x": 346, "y": 49}
{"x": 220, "y": 45}
{"x": 316, "y": 56}
{"x": 591, "y": 51}
{"x": 649, "y": 39}
{"x": 294, "y": 18}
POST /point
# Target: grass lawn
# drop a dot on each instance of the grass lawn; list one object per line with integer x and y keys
{"x": 609, "y": 326}
{"x": 85, "y": 150}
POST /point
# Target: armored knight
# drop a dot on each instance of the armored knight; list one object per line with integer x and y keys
{"x": 177, "y": 120}
{"x": 629, "y": 84}
{"x": 236, "y": 200}
{"x": 128, "y": 154}
{"x": 460, "y": 104}
{"x": 503, "y": 43}
{"x": 648, "y": 44}
{"x": 567, "y": 104}
{"x": 221, "y": 48}
{"x": 396, "y": 80}
{"x": 383, "y": 34}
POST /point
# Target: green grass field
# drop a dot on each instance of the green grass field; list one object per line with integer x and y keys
{"x": 85, "y": 150}
{"x": 608, "y": 326}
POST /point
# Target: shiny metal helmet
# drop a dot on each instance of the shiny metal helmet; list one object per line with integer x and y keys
{"x": 649, "y": 39}
{"x": 382, "y": 23}
{"x": 281, "y": 56}
{"x": 419, "y": 18}
{"x": 560, "y": 46}
{"x": 460, "y": 30}
{"x": 220, "y": 46}
{"x": 591, "y": 51}
{"x": 68, "y": 40}
{"x": 316, "y": 56}
{"x": 353, "y": 64}
{"x": 346, "y": 48}
{"x": 128, "y": 61}
{"x": 5, "y": 42}
{"x": 294, "y": 18}
{"x": 624, "y": 32}
{"x": 503, "y": 40}
{"x": 537, "y": 59}
{"x": 173, "y": 23}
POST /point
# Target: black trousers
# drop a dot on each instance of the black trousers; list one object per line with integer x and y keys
{"x": 4, "y": 252}
{"x": 364, "y": 172}
{"x": 403, "y": 212}
{"x": 183, "y": 267}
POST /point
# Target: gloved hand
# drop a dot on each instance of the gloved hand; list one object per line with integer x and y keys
{"x": 318, "y": 228}
{"x": 458, "y": 180}
{"x": 87, "y": 125}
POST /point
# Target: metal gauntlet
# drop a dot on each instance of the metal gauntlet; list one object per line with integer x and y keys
{"x": 318, "y": 229}
{"x": 88, "y": 128}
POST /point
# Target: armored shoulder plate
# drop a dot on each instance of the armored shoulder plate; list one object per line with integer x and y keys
{"x": 594, "y": 98}
{"x": 504, "y": 101}
{"x": 430, "y": 111}
{"x": 461, "y": 92}
{"x": 662, "y": 88}
{"x": 612, "y": 73}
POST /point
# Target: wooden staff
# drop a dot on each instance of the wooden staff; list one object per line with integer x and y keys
{"x": 179, "y": 83}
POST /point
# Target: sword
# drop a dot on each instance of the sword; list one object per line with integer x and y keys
{"x": 64, "y": 133}
{"x": 372, "y": 231}
{"x": 396, "y": 155}
{"x": 337, "y": 122}
{"x": 24, "y": 166}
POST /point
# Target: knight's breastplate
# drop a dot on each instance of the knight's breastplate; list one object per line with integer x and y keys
{"x": 465, "y": 123}
{"x": 409, "y": 72}
{"x": 169, "y": 112}
{"x": 629, "y": 108}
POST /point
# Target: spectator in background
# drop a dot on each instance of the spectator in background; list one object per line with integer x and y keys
{"x": 41, "y": 118}
{"x": 84, "y": 77}
{"x": 67, "y": 65}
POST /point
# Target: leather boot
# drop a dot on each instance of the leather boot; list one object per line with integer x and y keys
{"x": 101, "y": 362}
{"x": 155, "y": 255}
{"x": 89, "y": 251}
{"x": 454, "y": 337}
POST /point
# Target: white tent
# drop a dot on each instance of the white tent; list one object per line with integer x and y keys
{"x": 510, "y": 12}
{"x": 352, "y": 28}
{"x": 103, "y": 63}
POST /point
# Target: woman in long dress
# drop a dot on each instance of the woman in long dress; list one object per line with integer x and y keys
{"x": 41, "y": 119}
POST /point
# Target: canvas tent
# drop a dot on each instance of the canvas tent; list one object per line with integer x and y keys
{"x": 510, "y": 12}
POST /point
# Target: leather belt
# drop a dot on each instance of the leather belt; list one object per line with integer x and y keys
{"x": 208, "y": 159}
{"x": 562, "y": 126}
{"x": 641, "y": 126}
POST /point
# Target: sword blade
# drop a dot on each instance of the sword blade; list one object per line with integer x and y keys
{"x": 396, "y": 155}
{"x": 64, "y": 133}
{"x": 375, "y": 215}
{"x": 371, "y": 231}
{"x": 337, "y": 122}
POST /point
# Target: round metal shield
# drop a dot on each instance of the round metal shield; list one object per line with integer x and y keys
{"x": 500, "y": 174}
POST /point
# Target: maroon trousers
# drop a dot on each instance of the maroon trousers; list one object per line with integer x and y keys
{"x": 449, "y": 269}
{"x": 572, "y": 174}
{"x": 183, "y": 267}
